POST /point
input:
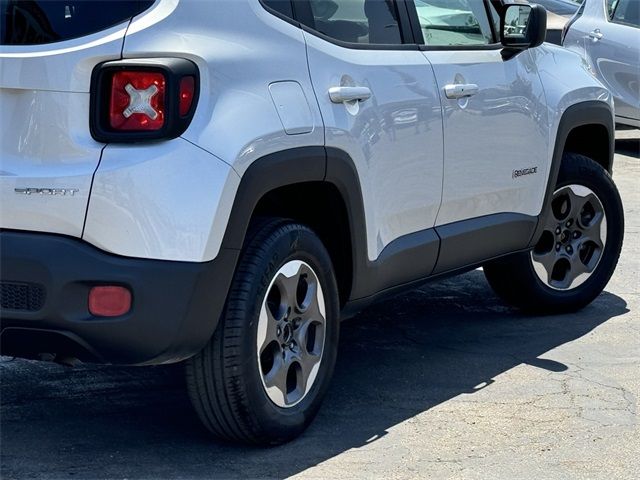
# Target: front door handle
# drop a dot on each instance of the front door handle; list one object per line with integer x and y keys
{"x": 461, "y": 90}
{"x": 349, "y": 94}
{"x": 596, "y": 35}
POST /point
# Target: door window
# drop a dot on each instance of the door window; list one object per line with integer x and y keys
{"x": 356, "y": 21}
{"x": 454, "y": 22}
{"x": 626, "y": 12}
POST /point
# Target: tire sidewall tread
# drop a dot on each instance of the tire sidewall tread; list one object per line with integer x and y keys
{"x": 226, "y": 372}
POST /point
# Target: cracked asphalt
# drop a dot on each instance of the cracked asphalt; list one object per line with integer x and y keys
{"x": 442, "y": 382}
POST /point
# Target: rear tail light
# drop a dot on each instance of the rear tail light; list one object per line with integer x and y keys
{"x": 135, "y": 100}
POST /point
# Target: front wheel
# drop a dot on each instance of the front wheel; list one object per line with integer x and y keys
{"x": 578, "y": 249}
{"x": 263, "y": 375}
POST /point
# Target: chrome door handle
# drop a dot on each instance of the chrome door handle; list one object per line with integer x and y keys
{"x": 349, "y": 94}
{"x": 461, "y": 90}
{"x": 596, "y": 35}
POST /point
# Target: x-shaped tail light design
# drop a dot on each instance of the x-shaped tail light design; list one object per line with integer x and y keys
{"x": 140, "y": 101}
{"x": 133, "y": 102}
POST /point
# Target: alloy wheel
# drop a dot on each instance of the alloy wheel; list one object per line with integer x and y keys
{"x": 573, "y": 240}
{"x": 291, "y": 334}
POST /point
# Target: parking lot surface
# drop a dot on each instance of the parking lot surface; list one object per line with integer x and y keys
{"x": 442, "y": 382}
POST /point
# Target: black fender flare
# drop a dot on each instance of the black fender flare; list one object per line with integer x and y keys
{"x": 296, "y": 166}
{"x": 330, "y": 165}
{"x": 592, "y": 112}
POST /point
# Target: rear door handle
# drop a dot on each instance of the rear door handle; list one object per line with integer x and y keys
{"x": 461, "y": 90}
{"x": 349, "y": 94}
{"x": 596, "y": 35}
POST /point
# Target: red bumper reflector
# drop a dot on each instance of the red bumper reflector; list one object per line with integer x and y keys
{"x": 137, "y": 101}
{"x": 109, "y": 301}
{"x": 187, "y": 90}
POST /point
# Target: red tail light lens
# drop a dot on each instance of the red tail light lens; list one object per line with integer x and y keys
{"x": 109, "y": 301}
{"x": 187, "y": 91}
{"x": 137, "y": 101}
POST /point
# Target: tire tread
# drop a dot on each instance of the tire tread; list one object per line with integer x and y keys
{"x": 213, "y": 376}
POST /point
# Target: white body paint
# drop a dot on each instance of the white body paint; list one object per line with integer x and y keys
{"x": 422, "y": 159}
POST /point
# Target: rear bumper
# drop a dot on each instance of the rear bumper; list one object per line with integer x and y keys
{"x": 45, "y": 284}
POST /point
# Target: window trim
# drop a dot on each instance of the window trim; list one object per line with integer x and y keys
{"x": 281, "y": 16}
{"x": 419, "y": 38}
{"x": 407, "y": 21}
{"x": 302, "y": 9}
{"x": 611, "y": 18}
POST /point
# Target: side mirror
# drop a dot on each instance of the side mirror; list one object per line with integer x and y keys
{"x": 523, "y": 26}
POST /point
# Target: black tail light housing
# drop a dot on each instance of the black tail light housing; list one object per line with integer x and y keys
{"x": 143, "y": 99}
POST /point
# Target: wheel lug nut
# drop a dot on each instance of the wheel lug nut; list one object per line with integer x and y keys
{"x": 558, "y": 231}
{"x": 558, "y": 247}
{"x": 569, "y": 223}
{"x": 278, "y": 331}
{"x": 576, "y": 234}
{"x": 569, "y": 249}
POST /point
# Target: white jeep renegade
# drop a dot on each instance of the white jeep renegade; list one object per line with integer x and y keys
{"x": 220, "y": 182}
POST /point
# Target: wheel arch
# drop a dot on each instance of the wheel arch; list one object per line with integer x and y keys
{"x": 587, "y": 128}
{"x": 273, "y": 185}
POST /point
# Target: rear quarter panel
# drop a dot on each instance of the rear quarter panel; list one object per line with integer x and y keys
{"x": 244, "y": 55}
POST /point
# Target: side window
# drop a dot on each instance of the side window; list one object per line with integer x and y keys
{"x": 41, "y": 22}
{"x": 627, "y": 12}
{"x": 454, "y": 22}
{"x": 357, "y": 21}
{"x": 281, "y": 6}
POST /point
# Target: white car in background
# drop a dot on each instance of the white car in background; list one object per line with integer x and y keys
{"x": 607, "y": 34}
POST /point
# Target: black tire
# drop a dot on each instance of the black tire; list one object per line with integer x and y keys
{"x": 225, "y": 382}
{"x": 514, "y": 278}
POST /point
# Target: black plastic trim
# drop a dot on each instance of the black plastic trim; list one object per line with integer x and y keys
{"x": 360, "y": 46}
{"x": 537, "y": 26}
{"x": 288, "y": 167}
{"x": 470, "y": 241}
{"x": 397, "y": 261}
{"x": 592, "y": 112}
{"x": 176, "y": 305}
{"x": 173, "y": 69}
{"x": 280, "y": 15}
{"x": 455, "y": 248}
{"x": 404, "y": 261}
{"x": 458, "y": 48}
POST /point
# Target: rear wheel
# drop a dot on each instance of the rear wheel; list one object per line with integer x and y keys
{"x": 578, "y": 249}
{"x": 263, "y": 375}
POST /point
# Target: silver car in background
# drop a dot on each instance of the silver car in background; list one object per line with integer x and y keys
{"x": 607, "y": 34}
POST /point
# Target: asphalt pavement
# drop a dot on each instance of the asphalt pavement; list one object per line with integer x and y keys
{"x": 442, "y": 382}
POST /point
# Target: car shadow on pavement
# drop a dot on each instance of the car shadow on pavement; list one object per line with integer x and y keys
{"x": 397, "y": 359}
{"x": 628, "y": 146}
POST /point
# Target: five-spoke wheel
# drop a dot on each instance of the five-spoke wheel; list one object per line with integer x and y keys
{"x": 291, "y": 332}
{"x": 577, "y": 252}
{"x": 263, "y": 375}
{"x": 573, "y": 240}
